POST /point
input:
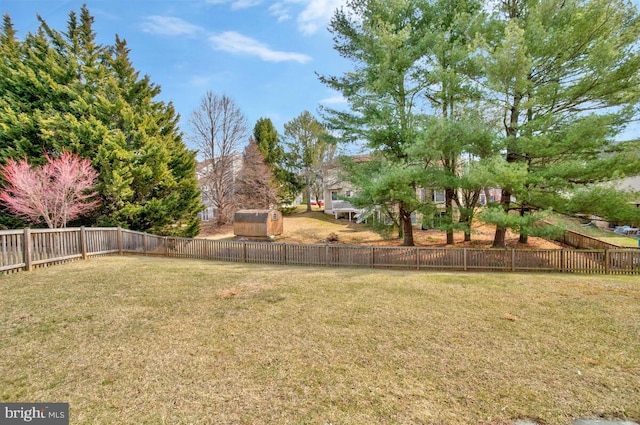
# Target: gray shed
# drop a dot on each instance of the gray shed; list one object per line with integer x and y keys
{"x": 264, "y": 224}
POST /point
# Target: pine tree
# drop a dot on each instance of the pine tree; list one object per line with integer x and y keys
{"x": 383, "y": 91}
{"x": 454, "y": 129}
{"x": 567, "y": 76}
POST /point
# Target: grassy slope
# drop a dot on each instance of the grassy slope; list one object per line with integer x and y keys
{"x": 133, "y": 340}
{"x": 594, "y": 232}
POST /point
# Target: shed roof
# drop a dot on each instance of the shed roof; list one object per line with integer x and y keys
{"x": 253, "y": 216}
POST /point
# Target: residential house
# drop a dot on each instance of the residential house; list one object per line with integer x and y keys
{"x": 337, "y": 191}
{"x": 206, "y": 174}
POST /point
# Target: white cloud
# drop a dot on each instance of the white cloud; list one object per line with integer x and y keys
{"x": 233, "y": 42}
{"x": 168, "y": 25}
{"x": 334, "y": 100}
{"x": 314, "y": 14}
{"x": 237, "y": 4}
{"x": 311, "y": 15}
{"x": 280, "y": 11}
{"x": 317, "y": 14}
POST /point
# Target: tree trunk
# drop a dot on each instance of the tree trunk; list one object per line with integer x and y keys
{"x": 501, "y": 231}
{"x": 499, "y": 238}
{"x": 505, "y": 200}
{"x": 307, "y": 192}
{"x": 408, "y": 232}
{"x": 524, "y": 236}
{"x": 407, "y": 227}
{"x": 449, "y": 195}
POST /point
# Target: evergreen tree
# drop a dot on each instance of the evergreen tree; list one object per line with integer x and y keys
{"x": 383, "y": 184}
{"x": 150, "y": 183}
{"x": 454, "y": 129}
{"x": 566, "y": 75}
{"x": 66, "y": 92}
{"x": 384, "y": 90}
{"x": 268, "y": 141}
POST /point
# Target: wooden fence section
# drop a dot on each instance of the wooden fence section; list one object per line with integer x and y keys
{"x": 581, "y": 241}
{"x": 29, "y": 248}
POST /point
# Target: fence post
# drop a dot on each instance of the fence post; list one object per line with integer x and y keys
{"x": 144, "y": 243}
{"x": 244, "y": 251}
{"x": 563, "y": 261}
{"x": 166, "y": 246}
{"x": 119, "y": 240}
{"x": 326, "y": 255}
{"x": 513, "y": 259}
{"x": 83, "y": 242}
{"x": 607, "y": 259}
{"x": 26, "y": 249}
{"x": 464, "y": 259}
{"x": 372, "y": 258}
{"x": 417, "y": 258}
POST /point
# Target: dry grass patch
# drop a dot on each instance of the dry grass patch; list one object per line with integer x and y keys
{"x": 132, "y": 340}
{"x": 316, "y": 227}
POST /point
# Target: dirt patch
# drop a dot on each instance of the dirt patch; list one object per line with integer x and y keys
{"x": 315, "y": 227}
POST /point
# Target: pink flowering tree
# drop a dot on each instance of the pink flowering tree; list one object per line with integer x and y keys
{"x": 56, "y": 192}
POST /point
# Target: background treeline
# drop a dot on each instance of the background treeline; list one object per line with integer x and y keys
{"x": 529, "y": 96}
{"x": 64, "y": 91}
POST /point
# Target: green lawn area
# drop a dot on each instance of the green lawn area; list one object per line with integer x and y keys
{"x": 133, "y": 340}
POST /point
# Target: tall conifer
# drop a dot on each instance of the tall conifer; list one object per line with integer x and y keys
{"x": 66, "y": 91}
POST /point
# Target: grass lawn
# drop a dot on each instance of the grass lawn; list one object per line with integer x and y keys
{"x": 601, "y": 234}
{"x": 131, "y": 340}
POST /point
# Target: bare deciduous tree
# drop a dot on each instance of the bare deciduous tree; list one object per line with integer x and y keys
{"x": 308, "y": 147}
{"x": 218, "y": 129}
{"x": 56, "y": 192}
{"x": 256, "y": 186}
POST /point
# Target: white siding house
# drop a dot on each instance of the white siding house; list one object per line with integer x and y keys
{"x": 203, "y": 170}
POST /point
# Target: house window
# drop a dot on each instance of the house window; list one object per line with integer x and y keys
{"x": 334, "y": 196}
{"x": 348, "y": 194}
{"x": 438, "y": 196}
{"x": 274, "y": 217}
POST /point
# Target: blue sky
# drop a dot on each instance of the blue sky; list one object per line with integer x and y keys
{"x": 264, "y": 54}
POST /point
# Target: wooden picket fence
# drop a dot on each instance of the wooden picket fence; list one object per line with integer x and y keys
{"x": 29, "y": 248}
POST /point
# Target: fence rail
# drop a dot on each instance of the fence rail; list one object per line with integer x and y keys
{"x": 29, "y": 248}
{"x": 581, "y": 241}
